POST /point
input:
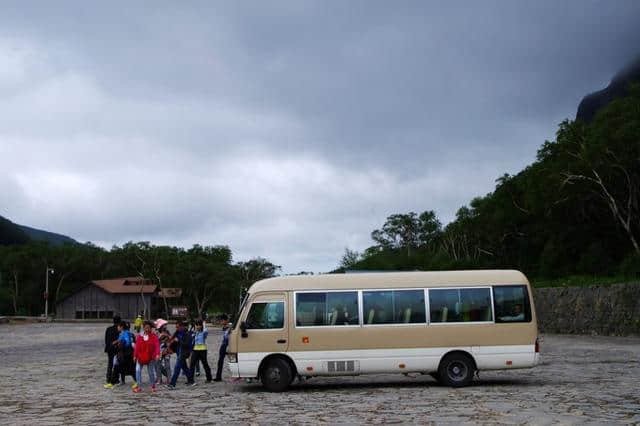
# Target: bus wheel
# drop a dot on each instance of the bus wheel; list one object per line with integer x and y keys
{"x": 456, "y": 370}
{"x": 276, "y": 375}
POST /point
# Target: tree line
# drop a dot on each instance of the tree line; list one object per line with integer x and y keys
{"x": 574, "y": 211}
{"x": 207, "y": 275}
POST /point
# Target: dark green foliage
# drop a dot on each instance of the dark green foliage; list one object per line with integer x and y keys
{"x": 575, "y": 211}
{"x": 206, "y": 274}
{"x": 630, "y": 266}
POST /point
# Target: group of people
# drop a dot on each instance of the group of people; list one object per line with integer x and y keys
{"x": 152, "y": 346}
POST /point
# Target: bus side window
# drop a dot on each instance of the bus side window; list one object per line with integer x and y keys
{"x": 511, "y": 304}
{"x": 460, "y": 305}
{"x": 336, "y": 308}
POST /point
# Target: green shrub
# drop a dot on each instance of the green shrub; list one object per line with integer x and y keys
{"x": 630, "y": 266}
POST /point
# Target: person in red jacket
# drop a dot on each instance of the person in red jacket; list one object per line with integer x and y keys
{"x": 146, "y": 352}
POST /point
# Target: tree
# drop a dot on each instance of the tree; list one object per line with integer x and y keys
{"x": 408, "y": 231}
{"x": 207, "y": 270}
{"x": 606, "y": 157}
{"x": 163, "y": 267}
{"x": 70, "y": 261}
{"x": 429, "y": 228}
{"x": 349, "y": 259}
{"x": 15, "y": 262}
{"x": 254, "y": 270}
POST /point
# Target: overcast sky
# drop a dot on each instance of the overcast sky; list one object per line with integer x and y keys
{"x": 287, "y": 130}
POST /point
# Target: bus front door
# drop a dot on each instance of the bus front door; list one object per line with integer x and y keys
{"x": 264, "y": 330}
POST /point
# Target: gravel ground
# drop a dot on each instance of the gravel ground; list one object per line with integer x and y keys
{"x": 53, "y": 374}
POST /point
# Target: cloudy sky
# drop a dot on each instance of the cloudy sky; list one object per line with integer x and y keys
{"x": 284, "y": 129}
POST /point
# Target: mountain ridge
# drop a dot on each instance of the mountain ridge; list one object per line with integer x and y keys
{"x": 14, "y": 233}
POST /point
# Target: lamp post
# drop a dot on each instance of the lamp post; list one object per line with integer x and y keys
{"x": 46, "y": 293}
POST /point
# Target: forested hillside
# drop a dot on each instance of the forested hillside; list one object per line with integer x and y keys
{"x": 207, "y": 275}
{"x": 575, "y": 210}
{"x": 10, "y": 233}
{"x": 50, "y": 237}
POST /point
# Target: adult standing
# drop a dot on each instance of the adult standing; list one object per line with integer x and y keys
{"x": 185, "y": 345}
{"x": 199, "y": 353}
{"x": 222, "y": 353}
{"x": 110, "y": 336}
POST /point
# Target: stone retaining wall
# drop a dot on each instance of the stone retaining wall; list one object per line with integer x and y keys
{"x": 613, "y": 310}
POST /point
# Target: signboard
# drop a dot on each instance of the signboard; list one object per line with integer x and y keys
{"x": 179, "y": 311}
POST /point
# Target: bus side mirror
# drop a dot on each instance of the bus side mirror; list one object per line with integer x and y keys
{"x": 243, "y": 328}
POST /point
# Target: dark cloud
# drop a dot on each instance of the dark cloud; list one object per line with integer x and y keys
{"x": 288, "y": 130}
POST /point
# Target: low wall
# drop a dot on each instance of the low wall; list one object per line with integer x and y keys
{"x": 613, "y": 310}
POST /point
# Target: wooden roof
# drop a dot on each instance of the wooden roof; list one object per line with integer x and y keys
{"x": 126, "y": 285}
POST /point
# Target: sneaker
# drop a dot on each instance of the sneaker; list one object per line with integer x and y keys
{"x": 108, "y": 385}
{"x": 217, "y": 379}
{"x": 137, "y": 389}
{"x": 192, "y": 384}
{"x": 134, "y": 385}
{"x": 171, "y": 387}
{"x": 197, "y": 374}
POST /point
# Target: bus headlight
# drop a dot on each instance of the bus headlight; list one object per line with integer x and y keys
{"x": 233, "y": 357}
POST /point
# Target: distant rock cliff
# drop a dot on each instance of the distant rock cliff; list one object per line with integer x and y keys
{"x": 591, "y": 103}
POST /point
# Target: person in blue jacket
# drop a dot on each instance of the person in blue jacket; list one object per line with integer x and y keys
{"x": 185, "y": 345}
{"x": 123, "y": 363}
{"x": 222, "y": 353}
{"x": 199, "y": 353}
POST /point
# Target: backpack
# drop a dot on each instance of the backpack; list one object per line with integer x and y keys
{"x": 145, "y": 351}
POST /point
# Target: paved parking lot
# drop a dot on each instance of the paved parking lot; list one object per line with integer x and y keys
{"x": 53, "y": 374}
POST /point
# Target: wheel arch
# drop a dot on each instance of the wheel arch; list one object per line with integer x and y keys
{"x": 459, "y": 352}
{"x": 265, "y": 361}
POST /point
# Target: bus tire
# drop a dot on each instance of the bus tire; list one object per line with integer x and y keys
{"x": 276, "y": 376}
{"x": 456, "y": 370}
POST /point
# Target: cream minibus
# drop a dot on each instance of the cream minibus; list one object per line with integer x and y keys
{"x": 449, "y": 324}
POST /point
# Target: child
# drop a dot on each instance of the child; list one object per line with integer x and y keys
{"x": 163, "y": 367}
{"x": 185, "y": 342}
{"x": 146, "y": 353}
{"x": 137, "y": 323}
{"x": 200, "y": 348}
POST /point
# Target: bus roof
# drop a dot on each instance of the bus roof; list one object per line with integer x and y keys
{"x": 389, "y": 280}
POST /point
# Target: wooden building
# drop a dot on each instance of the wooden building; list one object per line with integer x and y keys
{"x": 126, "y": 297}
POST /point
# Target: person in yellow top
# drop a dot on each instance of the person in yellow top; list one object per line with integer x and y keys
{"x": 137, "y": 323}
{"x": 200, "y": 348}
